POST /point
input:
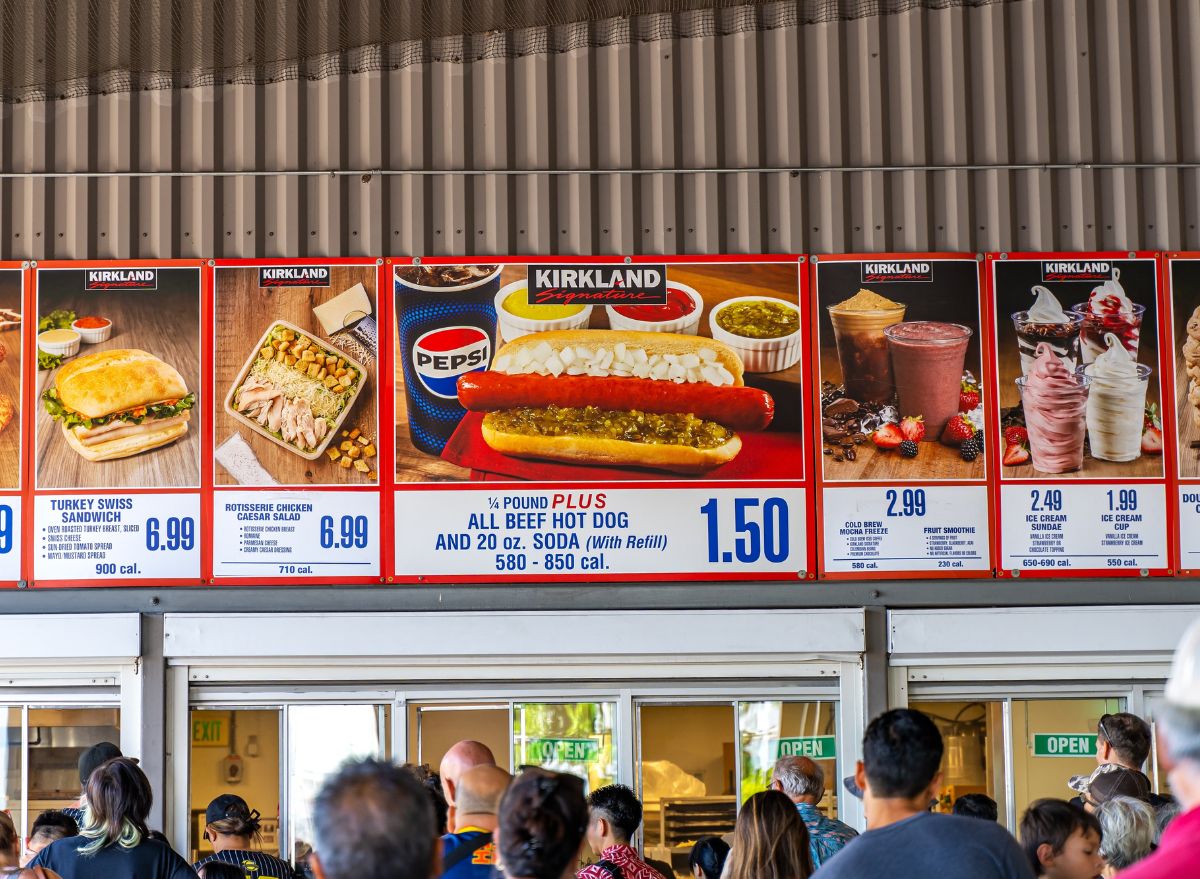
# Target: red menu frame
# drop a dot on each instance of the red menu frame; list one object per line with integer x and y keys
{"x": 1167, "y": 403}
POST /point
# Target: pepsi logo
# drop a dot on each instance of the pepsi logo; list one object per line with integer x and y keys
{"x": 441, "y": 356}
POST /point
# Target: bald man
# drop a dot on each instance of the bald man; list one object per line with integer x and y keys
{"x": 461, "y": 757}
{"x": 803, "y": 780}
{"x": 469, "y": 852}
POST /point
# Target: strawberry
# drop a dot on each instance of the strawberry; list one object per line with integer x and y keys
{"x": 913, "y": 428}
{"x": 958, "y": 429}
{"x": 968, "y": 397}
{"x": 1015, "y": 454}
{"x": 887, "y": 436}
{"x": 1152, "y": 441}
{"x": 1016, "y": 434}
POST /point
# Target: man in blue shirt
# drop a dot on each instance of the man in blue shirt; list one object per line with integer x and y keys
{"x": 469, "y": 852}
{"x": 803, "y": 780}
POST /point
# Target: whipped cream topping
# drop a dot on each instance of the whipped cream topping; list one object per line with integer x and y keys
{"x": 1047, "y": 309}
{"x": 1109, "y": 298}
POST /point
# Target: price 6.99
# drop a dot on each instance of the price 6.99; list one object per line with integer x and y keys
{"x": 760, "y": 527}
{"x": 179, "y": 534}
{"x": 352, "y": 533}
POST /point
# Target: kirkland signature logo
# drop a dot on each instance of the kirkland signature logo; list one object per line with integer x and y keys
{"x": 598, "y": 285}
{"x": 293, "y": 276}
{"x": 121, "y": 279}
{"x": 897, "y": 271}
{"x": 1077, "y": 270}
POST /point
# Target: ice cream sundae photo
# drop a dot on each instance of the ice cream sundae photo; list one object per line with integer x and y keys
{"x": 1045, "y": 321}
{"x": 1109, "y": 310}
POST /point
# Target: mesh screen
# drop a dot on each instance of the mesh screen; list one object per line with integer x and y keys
{"x": 69, "y": 48}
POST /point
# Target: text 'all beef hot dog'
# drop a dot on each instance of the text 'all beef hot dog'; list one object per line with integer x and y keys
{"x": 657, "y": 400}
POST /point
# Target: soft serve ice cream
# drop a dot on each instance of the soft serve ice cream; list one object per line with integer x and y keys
{"x": 1046, "y": 322}
{"x": 1109, "y": 310}
{"x": 1055, "y": 402}
{"x": 1116, "y": 402}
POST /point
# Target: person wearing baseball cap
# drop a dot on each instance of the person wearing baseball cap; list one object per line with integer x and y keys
{"x": 232, "y": 828}
{"x": 89, "y": 761}
{"x": 1108, "y": 781}
{"x": 1178, "y": 852}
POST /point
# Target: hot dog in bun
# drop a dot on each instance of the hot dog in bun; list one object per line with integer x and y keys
{"x": 117, "y": 403}
{"x": 623, "y": 398}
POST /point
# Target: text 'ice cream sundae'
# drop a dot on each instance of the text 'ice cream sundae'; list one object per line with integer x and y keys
{"x": 1055, "y": 402}
{"x": 1047, "y": 322}
{"x": 1116, "y": 402}
{"x": 1109, "y": 310}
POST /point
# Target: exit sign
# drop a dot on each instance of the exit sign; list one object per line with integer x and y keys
{"x": 813, "y": 747}
{"x": 1064, "y": 745}
{"x": 210, "y": 729}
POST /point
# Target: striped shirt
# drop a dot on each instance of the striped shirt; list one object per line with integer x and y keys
{"x": 826, "y": 836}
{"x": 256, "y": 865}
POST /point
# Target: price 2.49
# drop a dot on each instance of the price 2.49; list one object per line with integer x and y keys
{"x": 760, "y": 532}
{"x": 352, "y": 533}
{"x": 180, "y": 534}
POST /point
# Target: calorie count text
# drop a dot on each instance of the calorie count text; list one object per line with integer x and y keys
{"x": 943, "y": 542}
{"x": 556, "y": 523}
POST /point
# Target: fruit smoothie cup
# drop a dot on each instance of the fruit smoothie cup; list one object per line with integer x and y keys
{"x": 1055, "y": 402}
{"x": 927, "y": 367}
{"x": 858, "y": 325}
{"x": 1116, "y": 402}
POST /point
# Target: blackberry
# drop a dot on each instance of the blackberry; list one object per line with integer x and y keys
{"x": 908, "y": 449}
{"x": 970, "y": 449}
{"x": 979, "y": 443}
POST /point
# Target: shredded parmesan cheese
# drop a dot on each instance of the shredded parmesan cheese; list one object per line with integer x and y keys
{"x": 323, "y": 402}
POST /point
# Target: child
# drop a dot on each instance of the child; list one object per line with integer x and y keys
{"x": 1062, "y": 841}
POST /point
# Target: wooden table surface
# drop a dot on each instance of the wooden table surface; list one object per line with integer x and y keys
{"x": 170, "y": 330}
{"x": 715, "y": 283}
{"x": 244, "y": 311}
{"x": 1093, "y": 468}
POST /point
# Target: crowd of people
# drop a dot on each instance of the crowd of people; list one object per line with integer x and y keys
{"x": 374, "y": 819}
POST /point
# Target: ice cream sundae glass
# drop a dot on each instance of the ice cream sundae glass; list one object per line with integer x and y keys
{"x": 1109, "y": 310}
{"x": 1055, "y": 402}
{"x": 1047, "y": 322}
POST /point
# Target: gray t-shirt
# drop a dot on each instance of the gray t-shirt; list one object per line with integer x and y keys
{"x": 931, "y": 845}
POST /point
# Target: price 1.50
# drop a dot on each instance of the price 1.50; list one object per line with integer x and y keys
{"x": 352, "y": 533}
{"x": 760, "y": 531}
{"x": 180, "y": 534}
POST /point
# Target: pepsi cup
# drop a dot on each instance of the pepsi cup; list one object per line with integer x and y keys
{"x": 447, "y": 323}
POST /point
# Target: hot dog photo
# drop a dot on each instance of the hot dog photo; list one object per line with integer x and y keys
{"x": 598, "y": 371}
{"x": 118, "y": 382}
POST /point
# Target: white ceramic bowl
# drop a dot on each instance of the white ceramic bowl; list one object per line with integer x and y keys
{"x": 93, "y": 335}
{"x": 513, "y": 327}
{"x": 760, "y": 355}
{"x": 687, "y": 325}
{"x": 61, "y": 349}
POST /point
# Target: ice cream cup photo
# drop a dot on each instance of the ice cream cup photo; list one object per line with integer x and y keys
{"x": 1056, "y": 418}
{"x": 680, "y": 314}
{"x": 862, "y": 349}
{"x": 517, "y": 317}
{"x": 927, "y": 367}
{"x": 1116, "y": 402}
{"x": 764, "y": 331}
{"x": 93, "y": 330}
{"x": 61, "y": 343}
{"x": 1125, "y": 323}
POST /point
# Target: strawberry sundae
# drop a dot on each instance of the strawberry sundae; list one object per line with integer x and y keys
{"x": 1109, "y": 310}
{"x": 1055, "y": 402}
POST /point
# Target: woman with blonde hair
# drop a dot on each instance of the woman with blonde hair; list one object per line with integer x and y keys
{"x": 770, "y": 840}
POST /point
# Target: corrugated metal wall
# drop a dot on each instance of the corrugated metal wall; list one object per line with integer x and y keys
{"x": 1035, "y": 124}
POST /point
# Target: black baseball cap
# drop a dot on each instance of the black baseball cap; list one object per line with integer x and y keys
{"x": 226, "y": 806}
{"x": 95, "y": 757}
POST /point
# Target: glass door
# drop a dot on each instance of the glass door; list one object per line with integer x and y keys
{"x": 434, "y": 727}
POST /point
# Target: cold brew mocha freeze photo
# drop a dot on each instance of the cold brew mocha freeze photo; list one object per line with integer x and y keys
{"x": 598, "y": 372}
{"x": 1077, "y": 368}
{"x": 900, "y": 369}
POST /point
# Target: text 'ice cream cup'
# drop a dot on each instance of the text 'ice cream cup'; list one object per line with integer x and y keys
{"x": 1116, "y": 402}
{"x": 1054, "y": 399}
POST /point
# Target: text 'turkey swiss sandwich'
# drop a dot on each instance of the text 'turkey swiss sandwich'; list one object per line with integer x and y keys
{"x": 113, "y": 404}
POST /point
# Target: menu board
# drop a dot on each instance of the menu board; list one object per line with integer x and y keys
{"x": 118, "y": 422}
{"x": 600, "y": 419}
{"x": 296, "y": 428}
{"x": 13, "y": 369}
{"x": 1078, "y": 367}
{"x": 902, "y": 474}
{"x": 1183, "y": 306}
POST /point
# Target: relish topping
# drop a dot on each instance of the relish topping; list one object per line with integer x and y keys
{"x": 631, "y": 425}
{"x": 759, "y": 319}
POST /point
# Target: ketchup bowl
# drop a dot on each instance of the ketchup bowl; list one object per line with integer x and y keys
{"x": 681, "y": 314}
{"x": 93, "y": 329}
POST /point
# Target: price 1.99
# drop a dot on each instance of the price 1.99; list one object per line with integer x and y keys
{"x": 6, "y": 529}
{"x": 180, "y": 534}
{"x": 760, "y": 527}
{"x": 352, "y": 533}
